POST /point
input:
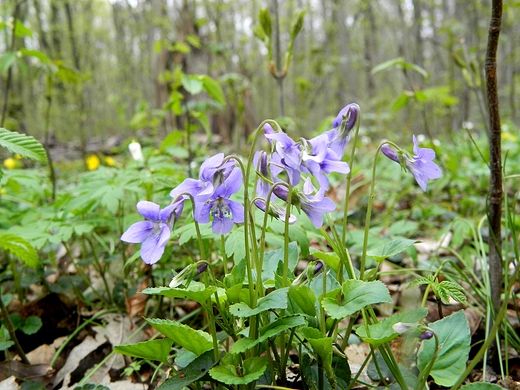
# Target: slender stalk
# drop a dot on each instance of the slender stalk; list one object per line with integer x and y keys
{"x": 495, "y": 156}
{"x": 12, "y": 332}
{"x": 278, "y": 57}
{"x": 10, "y": 70}
{"x": 52, "y": 172}
{"x": 349, "y": 181}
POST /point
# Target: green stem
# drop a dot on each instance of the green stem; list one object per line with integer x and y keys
{"x": 101, "y": 270}
{"x": 349, "y": 180}
{"x": 76, "y": 331}
{"x": 12, "y": 332}
{"x": 369, "y": 210}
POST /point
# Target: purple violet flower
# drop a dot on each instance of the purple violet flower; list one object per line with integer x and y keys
{"x": 155, "y": 232}
{"x": 339, "y": 135}
{"x": 421, "y": 164}
{"x": 322, "y": 160}
{"x": 212, "y": 174}
{"x": 287, "y": 156}
{"x": 263, "y": 187}
{"x": 224, "y": 211}
{"x": 315, "y": 206}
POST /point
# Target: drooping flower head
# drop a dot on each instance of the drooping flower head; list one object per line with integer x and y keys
{"x": 263, "y": 187}
{"x": 286, "y": 156}
{"x": 224, "y": 211}
{"x": 313, "y": 203}
{"x": 213, "y": 173}
{"x": 420, "y": 164}
{"x": 341, "y": 127}
{"x": 154, "y": 232}
{"x": 320, "y": 160}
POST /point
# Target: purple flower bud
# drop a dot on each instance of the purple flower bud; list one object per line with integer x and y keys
{"x": 351, "y": 112}
{"x": 426, "y": 335}
{"x": 281, "y": 192}
{"x": 318, "y": 267}
{"x": 201, "y": 268}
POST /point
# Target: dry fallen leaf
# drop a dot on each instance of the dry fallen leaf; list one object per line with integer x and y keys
{"x": 75, "y": 357}
{"x": 136, "y": 304}
{"x": 36, "y": 372}
{"x": 9, "y": 384}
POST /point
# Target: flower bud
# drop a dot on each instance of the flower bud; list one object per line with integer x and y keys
{"x": 201, "y": 268}
{"x": 135, "y": 150}
{"x": 426, "y": 335}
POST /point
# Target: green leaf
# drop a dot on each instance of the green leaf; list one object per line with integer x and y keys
{"x": 390, "y": 249}
{"x": 481, "y": 386}
{"x": 273, "y": 258}
{"x": 274, "y": 300}
{"x": 6, "y": 61}
{"x": 196, "y": 341}
{"x": 396, "y": 62}
{"x": 418, "y": 69}
{"x": 323, "y": 348}
{"x": 297, "y": 24}
{"x": 23, "y": 145}
{"x": 192, "y": 84}
{"x": 194, "y": 41}
{"x": 172, "y": 139}
{"x": 6, "y": 344}
{"x": 20, "y": 248}
{"x": 401, "y": 101}
{"x": 454, "y": 345}
{"x": 305, "y": 298}
{"x": 91, "y": 386}
{"x": 36, "y": 54}
{"x": 447, "y": 289}
{"x": 383, "y": 332}
{"x": 268, "y": 331}
{"x": 193, "y": 293}
{"x": 265, "y": 22}
{"x": 31, "y": 325}
{"x": 213, "y": 88}
{"x": 193, "y": 372}
{"x": 235, "y": 244}
{"x": 330, "y": 258}
{"x": 357, "y": 295}
{"x": 425, "y": 280}
{"x": 252, "y": 369}
{"x": 152, "y": 350}
{"x": 20, "y": 30}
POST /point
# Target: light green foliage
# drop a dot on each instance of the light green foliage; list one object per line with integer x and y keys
{"x": 382, "y": 332}
{"x": 23, "y": 145}
{"x": 443, "y": 290}
{"x": 20, "y": 248}
{"x": 270, "y": 330}
{"x": 390, "y": 249}
{"x": 151, "y": 349}
{"x": 196, "y": 341}
{"x": 454, "y": 345}
{"x": 230, "y": 374}
{"x": 357, "y": 294}
{"x": 274, "y": 300}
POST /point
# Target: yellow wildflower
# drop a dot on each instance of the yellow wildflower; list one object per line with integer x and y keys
{"x": 110, "y": 161}
{"x": 10, "y": 163}
{"x": 92, "y": 162}
{"x": 509, "y": 137}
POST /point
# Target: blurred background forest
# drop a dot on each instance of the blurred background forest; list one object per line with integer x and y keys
{"x": 113, "y": 68}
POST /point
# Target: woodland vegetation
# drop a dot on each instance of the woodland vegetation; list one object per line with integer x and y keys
{"x": 282, "y": 245}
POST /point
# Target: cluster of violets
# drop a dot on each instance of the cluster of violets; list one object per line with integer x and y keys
{"x": 279, "y": 174}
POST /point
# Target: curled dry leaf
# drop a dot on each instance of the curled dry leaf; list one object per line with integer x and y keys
{"x": 136, "y": 304}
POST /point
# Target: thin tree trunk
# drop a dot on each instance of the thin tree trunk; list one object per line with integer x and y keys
{"x": 495, "y": 156}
